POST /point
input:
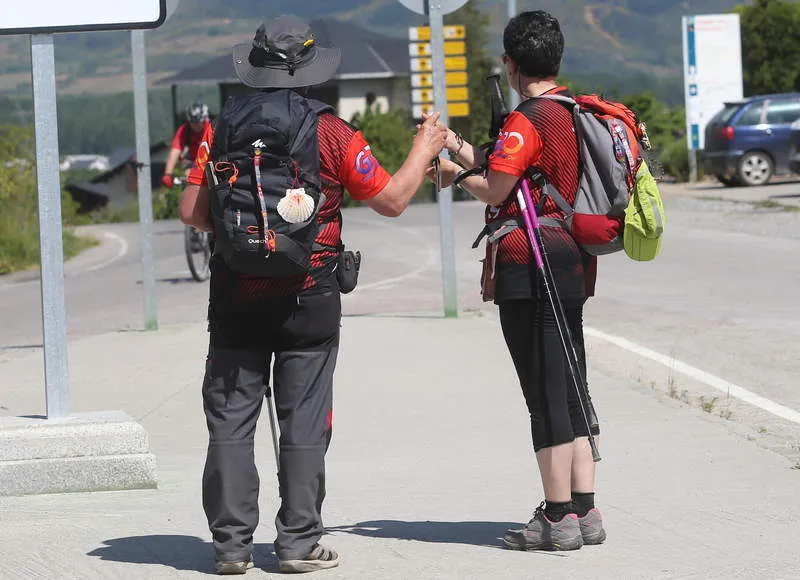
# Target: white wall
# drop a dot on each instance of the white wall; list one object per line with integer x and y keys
{"x": 390, "y": 93}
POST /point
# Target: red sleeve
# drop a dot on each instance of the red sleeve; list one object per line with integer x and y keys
{"x": 518, "y": 146}
{"x": 360, "y": 173}
{"x": 197, "y": 174}
{"x": 180, "y": 137}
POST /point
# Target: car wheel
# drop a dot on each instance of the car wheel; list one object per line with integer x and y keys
{"x": 755, "y": 168}
{"x": 727, "y": 181}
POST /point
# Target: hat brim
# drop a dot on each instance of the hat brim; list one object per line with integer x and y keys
{"x": 324, "y": 65}
{"x": 639, "y": 247}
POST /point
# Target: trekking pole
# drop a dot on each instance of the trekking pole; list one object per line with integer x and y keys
{"x": 537, "y": 247}
{"x": 273, "y": 427}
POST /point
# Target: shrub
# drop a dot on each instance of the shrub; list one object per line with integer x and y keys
{"x": 19, "y": 227}
{"x": 675, "y": 160}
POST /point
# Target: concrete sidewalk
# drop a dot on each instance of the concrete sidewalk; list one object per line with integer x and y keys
{"x": 430, "y": 462}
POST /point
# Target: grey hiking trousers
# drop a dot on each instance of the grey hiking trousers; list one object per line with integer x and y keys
{"x": 299, "y": 338}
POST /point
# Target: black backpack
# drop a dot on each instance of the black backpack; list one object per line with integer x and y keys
{"x": 273, "y": 135}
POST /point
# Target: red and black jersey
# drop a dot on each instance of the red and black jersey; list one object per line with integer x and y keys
{"x": 191, "y": 140}
{"x": 346, "y": 163}
{"x": 540, "y": 134}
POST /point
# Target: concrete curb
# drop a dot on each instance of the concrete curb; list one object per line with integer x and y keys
{"x": 84, "y": 452}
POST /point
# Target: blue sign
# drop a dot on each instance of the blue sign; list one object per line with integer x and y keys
{"x": 693, "y": 90}
{"x": 692, "y": 44}
{"x": 695, "y": 136}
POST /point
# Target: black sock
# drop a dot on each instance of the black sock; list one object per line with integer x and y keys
{"x": 556, "y": 510}
{"x": 582, "y": 503}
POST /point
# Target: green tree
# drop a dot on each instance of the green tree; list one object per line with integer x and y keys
{"x": 389, "y": 135}
{"x": 665, "y": 125}
{"x": 770, "y": 46}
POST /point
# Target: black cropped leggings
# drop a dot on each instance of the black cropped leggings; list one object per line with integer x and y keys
{"x": 530, "y": 331}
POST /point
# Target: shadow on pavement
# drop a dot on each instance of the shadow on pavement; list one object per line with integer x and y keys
{"x": 471, "y": 533}
{"x": 188, "y": 553}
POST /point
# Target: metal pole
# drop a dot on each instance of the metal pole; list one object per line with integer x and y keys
{"x": 513, "y": 96}
{"x": 51, "y": 243}
{"x": 433, "y": 9}
{"x": 145, "y": 187}
{"x": 693, "y": 165}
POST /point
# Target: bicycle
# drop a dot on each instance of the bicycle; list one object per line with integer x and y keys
{"x": 197, "y": 246}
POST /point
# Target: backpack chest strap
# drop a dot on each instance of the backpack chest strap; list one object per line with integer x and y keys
{"x": 497, "y": 229}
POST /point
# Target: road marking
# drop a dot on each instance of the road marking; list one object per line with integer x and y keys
{"x": 18, "y": 284}
{"x": 429, "y": 263}
{"x": 123, "y": 249}
{"x": 699, "y": 375}
{"x": 121, "y": 252}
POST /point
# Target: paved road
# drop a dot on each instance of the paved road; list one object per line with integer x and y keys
{"x": 430, "y": 460}
{"x": 722, "y": 298}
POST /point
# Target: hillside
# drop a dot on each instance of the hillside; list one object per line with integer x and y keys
{"x": 611, "y": 37}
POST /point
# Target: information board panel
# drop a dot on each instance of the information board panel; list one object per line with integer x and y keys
{"x": 712, "y": 58}
{"x": 51, "y": 16}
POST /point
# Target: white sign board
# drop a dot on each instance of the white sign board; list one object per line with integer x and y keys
{"x": 712, "y": 70}
{"x": 446, "y": 6}
{"x": 50, "y": 16}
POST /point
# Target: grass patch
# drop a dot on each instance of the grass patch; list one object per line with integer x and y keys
{"x": 19, "y": 246}
{"x": 708, "y": 405}
{"x": 774, "y": 205}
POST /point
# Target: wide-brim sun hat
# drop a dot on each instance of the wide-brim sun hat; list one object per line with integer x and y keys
{"x": 284, "y": 54}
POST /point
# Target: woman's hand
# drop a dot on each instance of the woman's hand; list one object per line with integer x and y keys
{"x": 448, "y": 171}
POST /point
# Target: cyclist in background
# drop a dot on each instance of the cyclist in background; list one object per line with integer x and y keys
{"x": 187, "y": 141}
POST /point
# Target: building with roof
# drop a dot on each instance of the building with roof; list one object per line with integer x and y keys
{"x": 375, "y": 69}
{"x": 118, "y": 186}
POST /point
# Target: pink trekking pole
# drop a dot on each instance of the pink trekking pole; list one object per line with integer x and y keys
{"x": 528, "y": 211}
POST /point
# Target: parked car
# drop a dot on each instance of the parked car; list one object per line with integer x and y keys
{"x": 748, "y": 141}
{"x": 794, "y": 148}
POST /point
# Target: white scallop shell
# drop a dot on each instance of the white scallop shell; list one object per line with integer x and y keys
{"x": 296, "y": 206}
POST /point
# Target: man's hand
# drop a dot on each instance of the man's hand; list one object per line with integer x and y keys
{"x": 452, "y": 142}
{"x": 431, "y": 136}
{"x": 167, "y": 181}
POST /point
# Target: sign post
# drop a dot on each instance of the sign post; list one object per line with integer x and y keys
{"x": 144, "y": 180}
{"x": 51, "y": 243}
{"x": 712, "y": 72}
{"x": 513, "y": 96}
{"x": 435, "y": 11}
{"x": 41, "y": 21}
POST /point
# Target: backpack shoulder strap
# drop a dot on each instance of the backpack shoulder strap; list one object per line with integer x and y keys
{"x": 319, "y": 107}
{"x": 559, "y": 98}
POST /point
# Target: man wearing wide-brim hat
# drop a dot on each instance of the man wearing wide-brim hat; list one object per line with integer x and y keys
{"x": 289, "y": 324}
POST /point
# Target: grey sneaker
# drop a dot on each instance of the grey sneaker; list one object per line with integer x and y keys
{"x": 542, "y": 534}
{"x": 592, "y": 528}
{"x": 232, "y": 568}
{"x": 320, "y": 558}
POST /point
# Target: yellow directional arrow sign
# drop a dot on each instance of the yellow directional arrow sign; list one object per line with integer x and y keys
{"x": 453, "y": 110}
{"x": 451, "y": 63}
{"x": 452, "y": 79}
{"x": 451, "y": 48}
{"x": 455, "y": 63}
{"x": 421, "y": 65}
{"x": 423, "y": 33}
{"x": 453, "y": 94}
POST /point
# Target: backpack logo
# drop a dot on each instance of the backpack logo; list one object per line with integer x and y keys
{"x": 259, "y": 144}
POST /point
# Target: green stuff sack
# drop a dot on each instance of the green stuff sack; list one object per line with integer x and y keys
{"x": 645, "y": 218}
